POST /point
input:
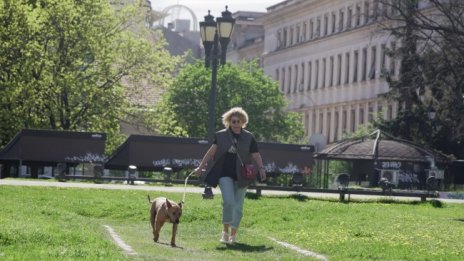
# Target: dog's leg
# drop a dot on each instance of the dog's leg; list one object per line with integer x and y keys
{"x": 152, "y": 221}
{"x": 173, "y": 238}
{"x": 159, "y": 222}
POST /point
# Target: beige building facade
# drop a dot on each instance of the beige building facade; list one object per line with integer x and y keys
{"x": 247, "y": 39}
{"x": 328, "y": 57}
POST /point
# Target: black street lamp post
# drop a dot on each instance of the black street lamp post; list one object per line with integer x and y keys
{"x": 215, "y": 33}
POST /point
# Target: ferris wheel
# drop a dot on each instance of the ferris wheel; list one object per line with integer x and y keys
{"x": 174, "y": 12}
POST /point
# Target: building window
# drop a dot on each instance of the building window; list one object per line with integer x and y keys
{"x": 341, "y": 18}
{"x": 291, "y": 36}
{"x": 321, "y": 122}
{"x": 339, "y": 69}
{"x": 334, "y": 23}
{"x": 331, "y": 71}
{"x": 302, "y": 78}
{"x": 316, "y": 81}
{"x": 373, "y": 70}
{"x": 324, "y": 70}
{"x": 311, "y": 29}
{"x": 313, "y": 125}
{"x": 353, "y": 121}
{"x": 298, "y": 33}
{"x": 376, "y": 10}
{"x": 347, "y": 67}
{"x": 355, "y": 66}
{"x": 285, "y": 37}
{"x": 358, "y": 16}
{"x": 349, "y": 17}
{"x": 364, "y": 64}
{"x": 282, "y": 83}
{"x": 326, "y": 25}
{"x": 289, "y": 84}
{"x": 337, "y": 118}
{"x": 392, "y": 59}
{"x": 367, "y": 15}
{"x": 383, "y": 57}
{"x": 361, "y": 116}
{"x": 344, "y": 121}
{"x": 305, "y": 28}
{"x": 390, "y": 112}
{"x": 295, "y": 79}
{"x": 329, "y": 119}
{"x": 318, "y": 28}
{"x": 309, "y": 75}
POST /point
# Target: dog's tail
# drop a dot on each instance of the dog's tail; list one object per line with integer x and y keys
{"x": 149, "y": 200}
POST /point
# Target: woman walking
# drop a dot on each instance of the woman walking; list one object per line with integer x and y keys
{"x": 232, "y": 147}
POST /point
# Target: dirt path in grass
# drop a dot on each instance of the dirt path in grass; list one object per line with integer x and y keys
{"x": 129, "y": 251}
{"x": 301, "y": 251}
{"x": 118, "y": 240}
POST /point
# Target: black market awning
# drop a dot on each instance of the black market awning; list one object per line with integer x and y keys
{"x": 153, "y": 153}
{"x": 49, "y": 147}
{"x": 156, "y": 152}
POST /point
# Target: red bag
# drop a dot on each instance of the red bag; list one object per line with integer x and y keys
{"x": 248, "y": 172}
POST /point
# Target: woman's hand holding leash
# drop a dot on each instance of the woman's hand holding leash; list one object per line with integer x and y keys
{"x": 199, "y": 171}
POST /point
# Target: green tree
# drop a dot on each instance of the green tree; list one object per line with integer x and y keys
{"x": 183, "y": 109}
{"x": 73, "y": 65}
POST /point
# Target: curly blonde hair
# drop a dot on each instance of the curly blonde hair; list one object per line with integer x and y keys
{"x": 235, "y": 112}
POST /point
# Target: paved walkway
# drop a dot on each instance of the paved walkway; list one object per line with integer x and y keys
{"x": 189, "y": 189}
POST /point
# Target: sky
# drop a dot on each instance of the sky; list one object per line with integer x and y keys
{"x": 201, "y": 7}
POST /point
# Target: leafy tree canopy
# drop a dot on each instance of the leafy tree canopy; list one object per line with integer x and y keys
{"x": 67, "y": 64}
{"x": 183, "y": 110}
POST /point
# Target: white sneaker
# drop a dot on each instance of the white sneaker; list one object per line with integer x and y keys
{"x": 225, "y": 238}
{"x": 233, "y": 239}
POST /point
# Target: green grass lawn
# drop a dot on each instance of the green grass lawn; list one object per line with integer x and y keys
{"x": 44, "y": 223}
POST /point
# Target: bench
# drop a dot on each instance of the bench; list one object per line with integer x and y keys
{"x": 423, "y": 195}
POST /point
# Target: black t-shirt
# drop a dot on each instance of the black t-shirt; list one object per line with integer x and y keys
{"x": 229, "y": 167}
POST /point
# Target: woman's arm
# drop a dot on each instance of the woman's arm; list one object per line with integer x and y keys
{"x": 210, "y": 154}
{"x": 256, "y": 157}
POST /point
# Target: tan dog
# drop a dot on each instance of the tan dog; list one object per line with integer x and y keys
{"x": 163, "y": 210}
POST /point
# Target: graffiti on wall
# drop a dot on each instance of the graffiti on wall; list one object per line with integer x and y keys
{"x": 180, "y": 163}
{"x": 270, "y": 167}
{"x": 89, "y": 157}
{"x": 391, "y": 165}
{"x": 408, "y": 180}
{"x": 400, "y": 178}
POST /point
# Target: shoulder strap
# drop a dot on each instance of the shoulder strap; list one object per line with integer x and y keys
{"x": 234, "y": 143}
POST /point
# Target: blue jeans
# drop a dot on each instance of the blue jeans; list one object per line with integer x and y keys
{"x": 232, "y": 201}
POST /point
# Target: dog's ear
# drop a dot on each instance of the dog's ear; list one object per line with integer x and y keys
{"x": 168, "y": 204}
{"x": 180, "y": 204}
